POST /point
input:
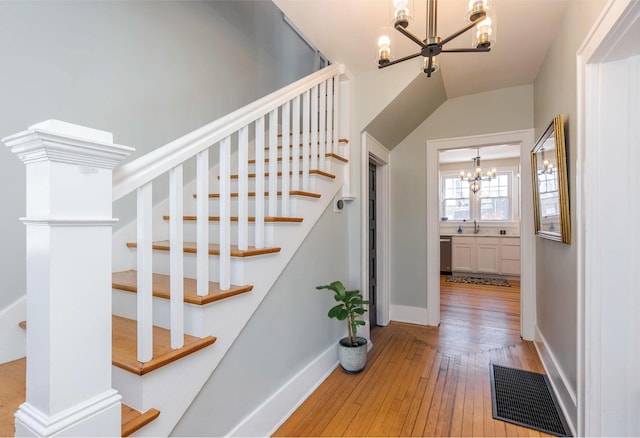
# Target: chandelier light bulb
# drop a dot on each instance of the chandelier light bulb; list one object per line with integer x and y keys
{"x": 384, "y": 49}
{"x": 401, "y": 15}
{"x": 476, "y": 9}
{"x": 484, "y": 33}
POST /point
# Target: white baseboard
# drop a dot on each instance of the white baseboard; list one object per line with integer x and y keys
{"x": 413, "y": 315}
{"x": 270, "y": 415}
{"x": 565, "y": 394}
{"x": 13, "y": 342}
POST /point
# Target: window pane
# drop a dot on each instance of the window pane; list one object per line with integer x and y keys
{"x": 495, "y": 209}
{"x": 455, "y": 199}
{"x": 456, "y": 209}
{"x": 497, "y": 187}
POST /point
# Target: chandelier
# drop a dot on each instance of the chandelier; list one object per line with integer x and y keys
{"x": 433, "y": 45}
{"x": 547, "y": 167}
{"x": 475, "y": 178}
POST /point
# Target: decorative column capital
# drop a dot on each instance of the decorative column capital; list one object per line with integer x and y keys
{"x": 63, "y": 142}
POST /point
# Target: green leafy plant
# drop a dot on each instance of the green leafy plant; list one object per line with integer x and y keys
{"x": 350, "y": 307}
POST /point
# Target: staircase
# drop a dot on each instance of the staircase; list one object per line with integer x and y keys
{"x": 191, "y": 270}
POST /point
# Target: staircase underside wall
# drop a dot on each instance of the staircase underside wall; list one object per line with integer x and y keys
{"x": 288, "y": 331}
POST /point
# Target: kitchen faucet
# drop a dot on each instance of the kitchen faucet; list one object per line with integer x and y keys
{"x": 476, "y": 227}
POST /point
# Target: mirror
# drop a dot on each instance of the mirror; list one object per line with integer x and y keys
{"x": 550, "y": 187}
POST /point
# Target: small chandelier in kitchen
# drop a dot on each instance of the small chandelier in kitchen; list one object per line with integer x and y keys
{"x": 478, "y": 14}
{"x": 475, "y": 178}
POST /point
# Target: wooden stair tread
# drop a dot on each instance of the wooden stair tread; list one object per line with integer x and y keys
{"x": 267, "y": 219}
{"x": 327, "y": 155}
{"x": 13, "y": 378}
{"x": 214, "y": 248}
{"x": 340, "y": 140}
{"x": 253, "y": 194}
{"x": 125, "y": 346}
{"x": 128, "y": 281}
{"x": 311, "y": 172}
{"x": 133, "y": 420}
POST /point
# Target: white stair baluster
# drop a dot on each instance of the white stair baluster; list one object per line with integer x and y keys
{"x": 295, "y": 145}
{"x": 306, "y": 118}
{"x": 273, "y": 163}
{"x": 330, "y": 145}
{"x": 176, "y": 256}
{"x": 259, "y": 184}
{"x": 314, "y": 128}
{"x": 286, "y": 136}
{"x": 202, "y": 223}
{"x": 225, "y": 214}
{"x": 145, "y": 273}
{"x": 322, "y": 127}
{"x": 243, "y": 188}
{"x": 336, "y": 115}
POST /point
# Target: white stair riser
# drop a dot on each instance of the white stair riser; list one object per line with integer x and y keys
{"x": 271, "y": 232}
{"x": 199, "y": 321}
{"x": 214, "y": 186}
{"x": 296, "y": 204}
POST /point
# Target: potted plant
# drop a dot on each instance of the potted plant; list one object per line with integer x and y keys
{"x": 352, "y": 350}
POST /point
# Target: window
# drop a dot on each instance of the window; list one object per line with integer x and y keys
{"x": 548, "y": 190}
{"x": 496, "y": 201}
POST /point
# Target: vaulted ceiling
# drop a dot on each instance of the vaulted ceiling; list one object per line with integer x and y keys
{"x": 345, "y": 31}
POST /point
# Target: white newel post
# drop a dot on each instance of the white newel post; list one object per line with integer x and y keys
{"x": 68, "y": 227}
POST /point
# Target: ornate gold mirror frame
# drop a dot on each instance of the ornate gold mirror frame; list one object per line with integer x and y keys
{"x": 550, "y": 184}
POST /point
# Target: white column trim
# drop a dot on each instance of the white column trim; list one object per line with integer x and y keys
{"x": 29, "y": 419}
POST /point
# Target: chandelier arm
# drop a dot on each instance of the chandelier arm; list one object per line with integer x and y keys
{"x": 406, "y": 58}
{"x": 463, "y": 30}
{"x": 411, "y": 36}
{"x": 469, "y": 50}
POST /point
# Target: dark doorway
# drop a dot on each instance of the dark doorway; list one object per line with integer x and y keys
{"x": 373, "y": 322}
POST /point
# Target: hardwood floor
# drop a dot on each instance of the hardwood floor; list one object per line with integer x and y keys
{"x": 427, "y": 381}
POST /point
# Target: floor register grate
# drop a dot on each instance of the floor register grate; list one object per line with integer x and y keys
{"x": 526, "y": 398}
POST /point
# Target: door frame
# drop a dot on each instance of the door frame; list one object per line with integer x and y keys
{"x": 607, "y": 91}
{"x": 527, "y": 237}
{"x": 373, "y": 150}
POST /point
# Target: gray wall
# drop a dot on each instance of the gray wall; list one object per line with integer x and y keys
{"x": 484, "y": 113}
{"x": 147, "y": 71}
{"x": 556, "y": 263}
{"x": 287, "y": 332}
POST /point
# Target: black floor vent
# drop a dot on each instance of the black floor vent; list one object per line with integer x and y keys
{"x": 525, "y": 398}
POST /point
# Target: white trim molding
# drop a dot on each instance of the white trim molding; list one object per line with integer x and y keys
{"x": 373, "y": 150}
{"x": 608, "y": 92}
{"x": 410, "y": 314}
{"x": 57, "y": 141}
{"x": 525, "y": 139}
{"x": 99, "y": 416}
{"x": 274, "y": 411}
{"x": 561, "y": 385}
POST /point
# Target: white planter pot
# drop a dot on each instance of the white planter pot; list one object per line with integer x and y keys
{"x": 353, "y": 359}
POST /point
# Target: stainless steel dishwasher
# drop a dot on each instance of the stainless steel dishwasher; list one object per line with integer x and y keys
{"x": 445, "y": 254}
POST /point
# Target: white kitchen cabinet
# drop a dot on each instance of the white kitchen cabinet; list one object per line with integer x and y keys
{"x": 486, "y": 255}
{"x": 463, "y": 254}
{"x": 510, "y": 258}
